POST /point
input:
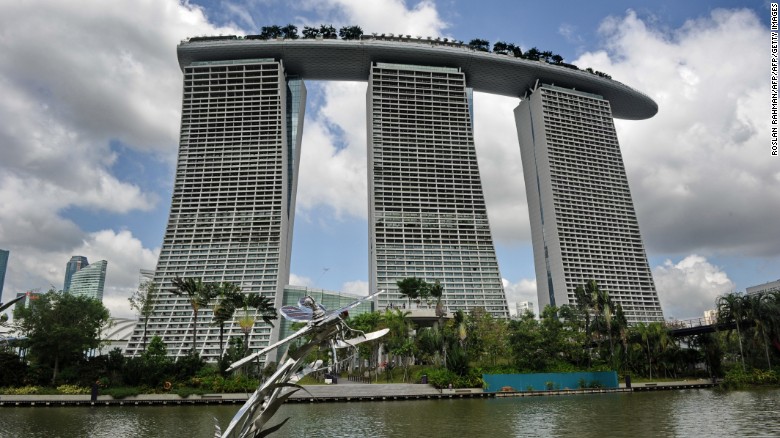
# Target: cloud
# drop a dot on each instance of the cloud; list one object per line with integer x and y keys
{"x": 383, "y": 15}
{"x": 500, "y": 168}
{"x": 333, "y": 155}
{"x": 357, "y": 287}
{"x": 77, "y": 78}
{"x": 689, "y": 287}
{"x": 700, "y": 170}
{"x": 523, "y": 290}
{"x": 44, "y": 270}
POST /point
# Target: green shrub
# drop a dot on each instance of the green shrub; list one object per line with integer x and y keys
{"x": 121, "y": 392}
{"x": 736, "y": 378}
{"x": 72, "y": 390}
{"x": 24, "y": 390}
{"x": 186, "y": 391}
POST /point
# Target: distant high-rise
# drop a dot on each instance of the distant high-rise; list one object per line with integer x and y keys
{"x": 89, "y": 281}
{"x": 75, "y": 264}
{"x": 583, "y": 222}
{"x": 233, "y": 201}
{"x": 3, "y": 267}
{"x": 427, "y": 211}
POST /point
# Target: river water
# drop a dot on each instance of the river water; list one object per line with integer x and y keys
{"x": 686, "y": 413}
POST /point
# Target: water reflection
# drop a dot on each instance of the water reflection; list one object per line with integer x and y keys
{"x": 664, "y": 413}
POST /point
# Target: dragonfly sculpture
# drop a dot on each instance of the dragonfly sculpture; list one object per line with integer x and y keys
{"x": 322, "y": 326}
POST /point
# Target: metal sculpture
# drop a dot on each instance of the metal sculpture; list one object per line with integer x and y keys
{"x": 322, "y": 326}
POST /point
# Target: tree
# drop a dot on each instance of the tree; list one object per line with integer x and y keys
{"x": 290, "y": 32}
{"x": 500, "y": 47}
{"x": 515, "y": 50}
{"x": 412, "y": 288}
{"x": 557, "y": 59}
{"x": 263, "y": 308}
{"x": 226, "y": 296}
{"x": 198, "y": 294}
{"x": 397, "y": 339}
{"x": 61, "y": 327}
{"x": 731, "y": 308}
{"x": 310, "y": 32}
{"x": 533, "y": 54}
{"x": 480, "y": 44}
{"x": 271, "y": 32}
{"x": 143, "y": 301}
{"x": 350, "y": 33}
{"x": 436, "y": 290}
{"x": 328, "y": 32}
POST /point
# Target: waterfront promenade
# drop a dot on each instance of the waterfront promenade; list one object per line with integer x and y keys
{"x": 342, "y": 392}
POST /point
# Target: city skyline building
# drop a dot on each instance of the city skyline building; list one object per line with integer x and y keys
{"x": 764, "y": 287}
{"x": 233, "y": 202}
{"x": 75, "y": 264}
{"x": 426, "y": 207}
{"x": 583, "y": 223}
{"x": 4, "y": 256}
{"x": 89, "y": 281}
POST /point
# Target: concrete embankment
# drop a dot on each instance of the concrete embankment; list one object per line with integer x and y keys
{"x": 345, "y": 392}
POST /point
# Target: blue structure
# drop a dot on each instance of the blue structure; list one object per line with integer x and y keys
{"x": 550, "y": 381}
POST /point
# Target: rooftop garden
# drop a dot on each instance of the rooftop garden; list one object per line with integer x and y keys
{"x": 325, "y": 31}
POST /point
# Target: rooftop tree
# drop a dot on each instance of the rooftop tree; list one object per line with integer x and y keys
{"x": 290, "y": 32}
{"x": 271, "y": 32}
{"x": 328, "y": 32}
{"x": 350, "y": 33}
{"x": 310, "y": 32}
{"x": 480, "y": 44}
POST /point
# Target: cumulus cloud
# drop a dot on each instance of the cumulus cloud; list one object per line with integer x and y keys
{"x": 689, "y": 287}
{"x": 700, "y": 170}
{"x": 500, "y": 167}
{"x": 78, "y": 77}
{"x": 333, "y": 156}
{"x": 523, "y": 290}
{"x": 357, "y": 287}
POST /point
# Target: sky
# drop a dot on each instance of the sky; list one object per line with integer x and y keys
{"x": 91, "y": 106}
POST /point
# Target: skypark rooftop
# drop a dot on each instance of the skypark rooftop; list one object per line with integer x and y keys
{"x": 350, "y": 60}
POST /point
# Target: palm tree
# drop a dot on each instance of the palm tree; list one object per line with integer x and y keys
{"x": 263, "y": 308}
{"x": 763, "y": 312}
{"x": 583, "y": 296}
{"x": 436, "y": 290}
{"x": 397, "y": 340}
{"x": 290, "y": 32}
{"x": 226, "y": 295}
{"x": 731, "y": 307}
{"x": 197, "y": 293}
{"x": 605, "y": 308}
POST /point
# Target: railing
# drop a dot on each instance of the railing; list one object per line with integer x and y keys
{"x": 359, "y": 379}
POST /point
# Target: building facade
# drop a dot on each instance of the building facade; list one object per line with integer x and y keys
{"x": 89, "y": 281}
{"x": 426, "y": 207}
{"x": 765, "y": 287}
{"x": 233, "y": 200}
{"x": 4, "y": 255}
{"x": 524, "y": 306}
{"x": 75, "y": 264}
{"x": 583, "y": 222}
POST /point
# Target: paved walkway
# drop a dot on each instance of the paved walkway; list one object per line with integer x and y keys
{"x": 345, "y": 391}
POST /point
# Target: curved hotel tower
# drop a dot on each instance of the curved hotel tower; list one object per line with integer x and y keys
{"x": 233, "y": 202}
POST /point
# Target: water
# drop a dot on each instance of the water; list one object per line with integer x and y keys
{"x": 687, "y": 413}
